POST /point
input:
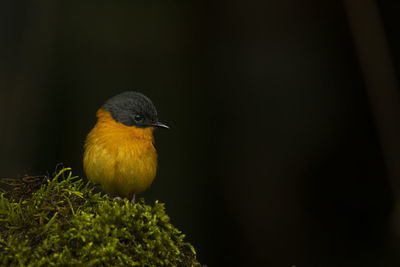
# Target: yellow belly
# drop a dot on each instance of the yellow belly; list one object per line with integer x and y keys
{"x": 120, "y": 158}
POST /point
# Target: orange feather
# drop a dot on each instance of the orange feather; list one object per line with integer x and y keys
{"x": 121, "y": 158}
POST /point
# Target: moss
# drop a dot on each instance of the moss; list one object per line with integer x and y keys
{"x": 63, "y": 221}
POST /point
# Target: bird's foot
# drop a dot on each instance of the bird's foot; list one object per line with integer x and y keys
{"x": 131, "y": 197}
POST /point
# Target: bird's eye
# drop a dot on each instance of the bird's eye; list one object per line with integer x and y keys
{"x": 138, "y": 118}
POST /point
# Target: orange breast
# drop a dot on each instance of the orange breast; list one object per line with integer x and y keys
{"x": 121, "y": 158}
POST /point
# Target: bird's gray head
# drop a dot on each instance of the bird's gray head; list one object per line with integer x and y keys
{"x": 133, "y": 109}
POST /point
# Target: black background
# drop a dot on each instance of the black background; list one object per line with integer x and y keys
{"x": 273, "y": 157}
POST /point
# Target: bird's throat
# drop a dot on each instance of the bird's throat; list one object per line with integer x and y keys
{"x": 107, "y": 124}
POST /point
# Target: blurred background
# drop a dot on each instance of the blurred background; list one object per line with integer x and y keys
{"x": 283, "y": 146}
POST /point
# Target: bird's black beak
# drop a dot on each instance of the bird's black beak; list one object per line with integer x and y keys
{"x": 160, "y": 125}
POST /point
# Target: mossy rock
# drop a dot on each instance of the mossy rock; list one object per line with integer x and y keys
{"x": 63, "y": 221}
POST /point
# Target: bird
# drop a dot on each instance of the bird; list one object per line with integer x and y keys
{"x": 119, "y": 152}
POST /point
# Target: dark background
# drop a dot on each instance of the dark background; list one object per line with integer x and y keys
{"x": 274, "y": 156}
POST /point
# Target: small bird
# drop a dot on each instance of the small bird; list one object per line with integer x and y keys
{"x": 119, "y": 151}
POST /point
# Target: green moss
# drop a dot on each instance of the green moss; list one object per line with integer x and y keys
{"x": 63, "y": 221}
